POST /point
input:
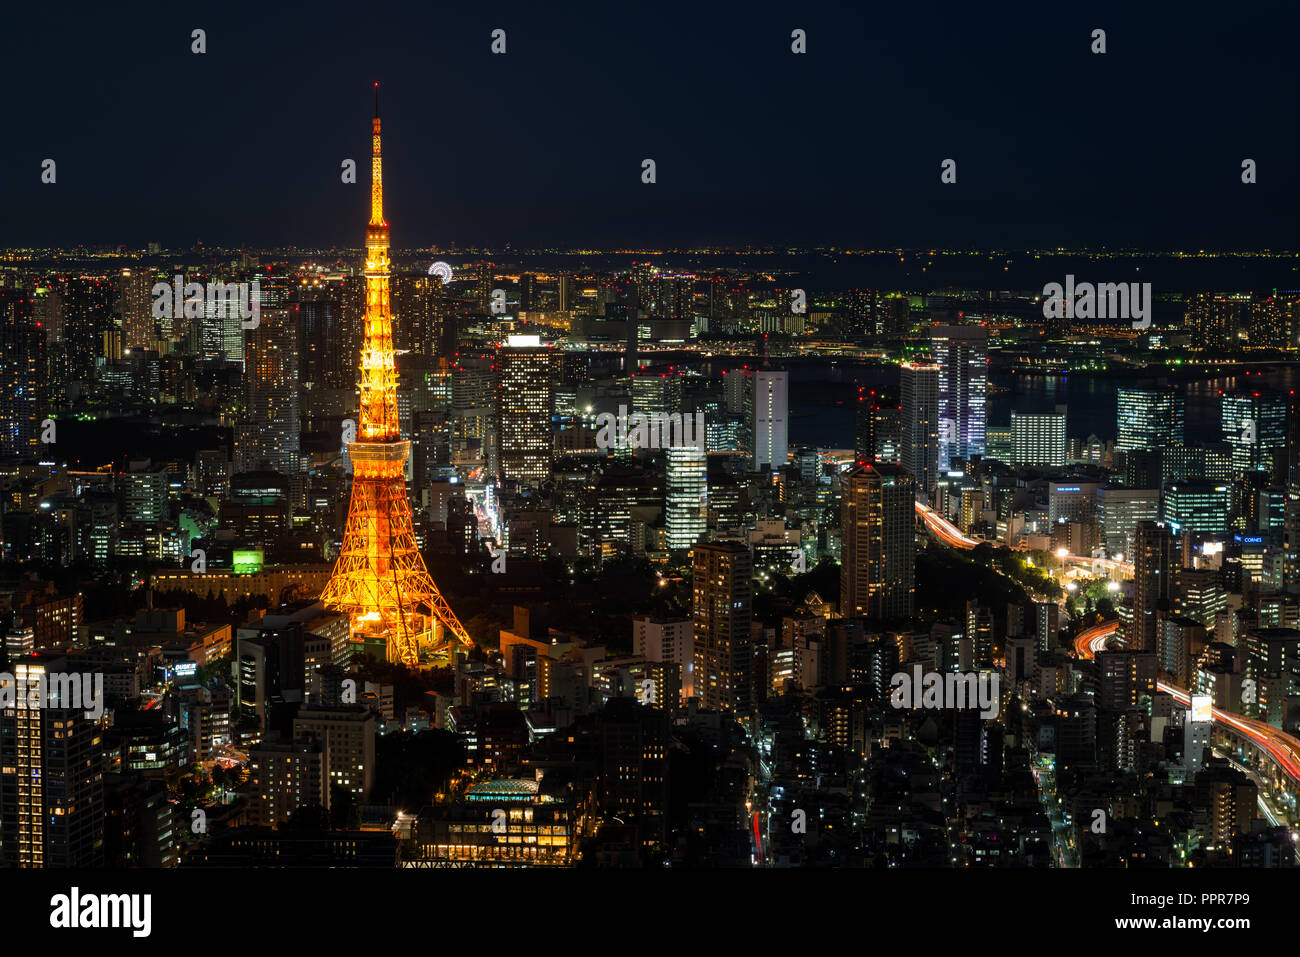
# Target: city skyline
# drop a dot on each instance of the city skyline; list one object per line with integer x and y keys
{"x": 650, "y": 494}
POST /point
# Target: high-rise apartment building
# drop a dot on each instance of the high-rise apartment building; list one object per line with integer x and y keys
{"x": 318, "y": 315}
{"x": 864, "y": 425}
{"x": 1153, "y": 566}
{"x": 268, "y": 436}
{"x": 670, "y": 640}
{"x": 87, "y": 315}
{"x": 919, "y": 428}
{"x": 51, "y": 772}
{"x": 23, "y": 374}
{"x": 1216, "y": 321}
{"x": 347, "y": 737}
{"x": 877, "y": 542}
{"x": 722, "y": 593}
{"x": 135, "y": 290}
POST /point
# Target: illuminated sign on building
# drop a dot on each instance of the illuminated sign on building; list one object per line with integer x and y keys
{"x": 247, "y": 561}
{"x": 1201, "y": 704}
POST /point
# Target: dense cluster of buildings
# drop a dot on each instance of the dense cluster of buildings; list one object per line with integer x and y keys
{"x": 174, "y": 489}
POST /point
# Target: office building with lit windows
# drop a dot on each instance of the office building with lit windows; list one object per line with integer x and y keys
{"x": 961, "y": 353}
{"x": 686, "y": 495}
{"x": 1197, "y": 506}
{"x": 1254, "y": 424}
{"x": 1149, "y": 418}
{"x": 524, "y": 405}
{"x": 1119, "y": 510}
{"x": 1038, "y": 438}
{"x": 498, "y": 822}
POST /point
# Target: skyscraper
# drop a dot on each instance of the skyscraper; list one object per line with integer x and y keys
{"x": 660, "y": 393}
{"x": 864, "y": 426}
{"x": 1198, "y": 506}
{"x": 22, "y": 375}
{"x": 317, "y": 318}
{"x": 51, "y": 772}
{"x": 1038, "y": 438}
{"x": 919, "y": 431}
{"x": 770, "y": 407}
{"x": 136, "y": 292}
{"x": 722, "y": 609}
{"x": 524, "y": 403}
{"x": 1254, "y": 424}
{"x": 1119, "y": 510}
{"x": 961, "y": 353}
{"x": 686, "y": 495}
{"x": 87, "y": 315}
{"x": 1216, "y": 321}
{"x": 1152, "y": 570}
{"x": 268, "y": 436}
{"x": 418, "y": 305}
{"x": 221, "y": 336}
{"x": 1149, "y": 418}
{"x": 877, "y": 542}
{"x": 527, "y": 292}
{"x": 1292, "y": 512}
{"x": 473, "y": 407}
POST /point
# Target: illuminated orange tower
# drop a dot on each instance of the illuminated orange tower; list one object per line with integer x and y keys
{"x": 380, "y": 578}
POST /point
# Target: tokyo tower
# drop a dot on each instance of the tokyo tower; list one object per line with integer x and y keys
{"x": 380, "y": 578}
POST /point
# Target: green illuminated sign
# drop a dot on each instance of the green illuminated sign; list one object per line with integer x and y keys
{"x": 247, "y": 561}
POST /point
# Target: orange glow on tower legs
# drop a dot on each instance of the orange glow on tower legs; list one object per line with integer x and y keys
{"x": 380, "y": 579}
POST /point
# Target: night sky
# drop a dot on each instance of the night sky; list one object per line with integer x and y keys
{"x": 753, "y": 144}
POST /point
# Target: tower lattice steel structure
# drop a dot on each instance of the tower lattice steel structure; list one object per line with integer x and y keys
{"x": 380, "y": 578}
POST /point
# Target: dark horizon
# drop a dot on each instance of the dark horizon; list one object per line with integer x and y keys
{"x": 543, "y": 146}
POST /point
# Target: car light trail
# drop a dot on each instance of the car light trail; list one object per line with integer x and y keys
{"x": 1280, "y": 746}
